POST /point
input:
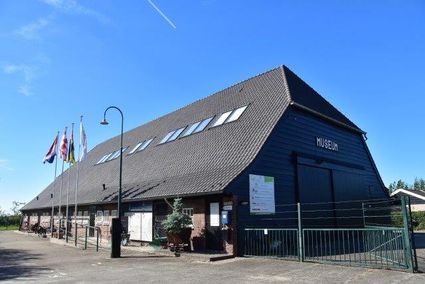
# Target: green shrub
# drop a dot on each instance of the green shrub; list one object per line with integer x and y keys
{"x": 418, "y": 220}
{"x": 177, "y": 220}
{"x": 9, "y": 220}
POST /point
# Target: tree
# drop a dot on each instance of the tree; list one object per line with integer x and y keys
{"x": 177, "y": 221}
{"x": 16, "y": 205}
{"x": 396, "y": 185}
{"x": 419, "y": 184}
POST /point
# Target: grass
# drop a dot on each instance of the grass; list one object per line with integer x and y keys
{"x": 8, "y": 228}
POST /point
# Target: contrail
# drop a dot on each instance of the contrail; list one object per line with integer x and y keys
{"x": 162, "y": 14}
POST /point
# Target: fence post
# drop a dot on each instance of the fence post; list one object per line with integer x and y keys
{"x": 300, "y": 235}
{"x": 66, "y": 230}
{"x": 76, "y": 231}
{"x": 97, "y": 239}
{"x": 85, "y": 240}
{"x": 412, "y": 236}
{"x": 406, "y": 238}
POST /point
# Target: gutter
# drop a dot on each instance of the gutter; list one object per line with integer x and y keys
{"x": 325, "y": 117}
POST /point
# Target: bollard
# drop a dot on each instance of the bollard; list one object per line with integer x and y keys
{"x": 76, "y": 232}
{"x": 85, "y": 240}
{"x": 116, "y": 238}
{"x": 97, "y": 239}
{"x": 300, "y": 235}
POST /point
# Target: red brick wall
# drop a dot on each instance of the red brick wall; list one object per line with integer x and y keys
{"x": 198, "y": 231}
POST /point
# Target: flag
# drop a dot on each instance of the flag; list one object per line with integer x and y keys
{"x": 51, "y": 154}
{"x": 71, "y": 157}
{"x": 83, "y": 141}
{"x": 63, "y": 146}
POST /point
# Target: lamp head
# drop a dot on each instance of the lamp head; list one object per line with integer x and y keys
{"x": 104, "y": 122}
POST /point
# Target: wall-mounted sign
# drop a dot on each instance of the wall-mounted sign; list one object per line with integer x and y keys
{"x": 227, "y": 205}
{"x": 261, "y": 194}
{"x": 140, "y": 207}
{"x": 326, "y": 144}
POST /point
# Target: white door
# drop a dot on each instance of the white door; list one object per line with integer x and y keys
{"x": 147, "y": 226}
{"x": 135, "y": 226}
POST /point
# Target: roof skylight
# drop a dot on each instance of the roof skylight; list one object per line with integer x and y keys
{"x": 140, "y": 146}
{"x": 135, "y": 148}
{"x": 191, "y": 128}
{"x": 176, "y": 134}
{"x": 236, "y": 114}
{"x": 221, "y": 119}
{"x": 203, "y": 124}
{"x": 103, "y": 159}
{"x": 165, "y": 139}
{"x": 145, "y": 144}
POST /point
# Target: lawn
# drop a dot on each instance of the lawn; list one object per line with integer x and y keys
{"x": 8, "y": 228}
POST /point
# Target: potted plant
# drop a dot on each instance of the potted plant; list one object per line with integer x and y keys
{"x": 177, "y": 226}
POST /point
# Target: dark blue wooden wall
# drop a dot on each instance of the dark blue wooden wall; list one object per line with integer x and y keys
{"x": 293, "y": 141}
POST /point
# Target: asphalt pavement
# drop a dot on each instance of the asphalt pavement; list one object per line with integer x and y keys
{"x": 30, "y": 259}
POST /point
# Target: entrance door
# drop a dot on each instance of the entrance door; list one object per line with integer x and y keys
{"x": 213, "y": 231}
{"x": 315, "y": 196}
{"x": 147, "y": 226}
{"x": 135, "y": 226}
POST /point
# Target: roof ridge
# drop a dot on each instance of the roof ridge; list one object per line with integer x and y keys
{"x": 282, "y": 69}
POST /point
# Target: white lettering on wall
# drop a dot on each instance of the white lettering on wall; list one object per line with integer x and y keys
{"x": 326, "y": 144}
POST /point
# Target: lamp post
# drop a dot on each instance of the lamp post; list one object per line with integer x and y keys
{"x": 116, "y": 222}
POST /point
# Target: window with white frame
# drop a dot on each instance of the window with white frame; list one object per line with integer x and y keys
{"x": 188, "y": 212}
{"x": 99, "y": 217}
{"x": 106, "y": 217}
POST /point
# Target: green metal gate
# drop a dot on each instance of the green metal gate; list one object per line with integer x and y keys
{"x": 382, "y": 246}
{"x": 371, "y": 247}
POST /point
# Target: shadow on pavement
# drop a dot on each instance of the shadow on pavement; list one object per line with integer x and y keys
{"x": 15, "y": 263}
{"x": 146, "y": 256}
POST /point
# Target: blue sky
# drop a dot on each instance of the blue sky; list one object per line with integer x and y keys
{"x": 63, "y": 58}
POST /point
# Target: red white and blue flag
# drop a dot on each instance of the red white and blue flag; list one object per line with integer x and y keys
{"x": 63, "y": 149}
{"x": 51, "y": 154}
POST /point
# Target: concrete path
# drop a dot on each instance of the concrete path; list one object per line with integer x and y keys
{"x": 26, "y": 258}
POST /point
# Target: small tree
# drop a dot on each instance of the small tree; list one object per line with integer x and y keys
{"x": 177, "y": 221}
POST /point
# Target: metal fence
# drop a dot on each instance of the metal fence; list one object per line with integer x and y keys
{"x": 356, "y": 233}
{"x": 272, "y": 243}
{"x": 372, "y": 247}
{"x": 83, "y": 236}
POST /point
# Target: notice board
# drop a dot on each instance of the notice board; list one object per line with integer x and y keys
{"x": 261, "y": 194}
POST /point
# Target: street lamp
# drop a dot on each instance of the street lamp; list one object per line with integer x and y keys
{"x": 116, "y": 222}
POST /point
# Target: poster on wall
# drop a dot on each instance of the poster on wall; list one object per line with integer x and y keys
{"x": 261, "y": 194}
{"x": 214, "y": 214}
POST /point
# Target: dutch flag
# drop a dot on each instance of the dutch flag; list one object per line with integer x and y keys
{"x": 51, "y": 154}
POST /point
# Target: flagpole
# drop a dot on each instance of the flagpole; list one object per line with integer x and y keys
{"x": 60, "y": 201}
{"x": 67, "y": 202}
{"x": 52, "y": 220}
{"x": 63, "y": 157}
{"x": 69, "y": 181}
{"x": 76, "y": 182}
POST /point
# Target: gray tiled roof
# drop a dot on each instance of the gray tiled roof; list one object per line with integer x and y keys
{"x": 202, "y": 163}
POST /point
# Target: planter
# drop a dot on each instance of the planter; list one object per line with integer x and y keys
{"x": 181, "y": 239}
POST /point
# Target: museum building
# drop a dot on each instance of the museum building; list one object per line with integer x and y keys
{"x": 235, "y": 157}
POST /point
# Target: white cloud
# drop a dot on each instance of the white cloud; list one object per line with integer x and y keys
{"x": 73, "y": 7}
{"x": 28, "y": 73}
{"x": 32, "y": 30}
{"x": 4, "y": 164}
